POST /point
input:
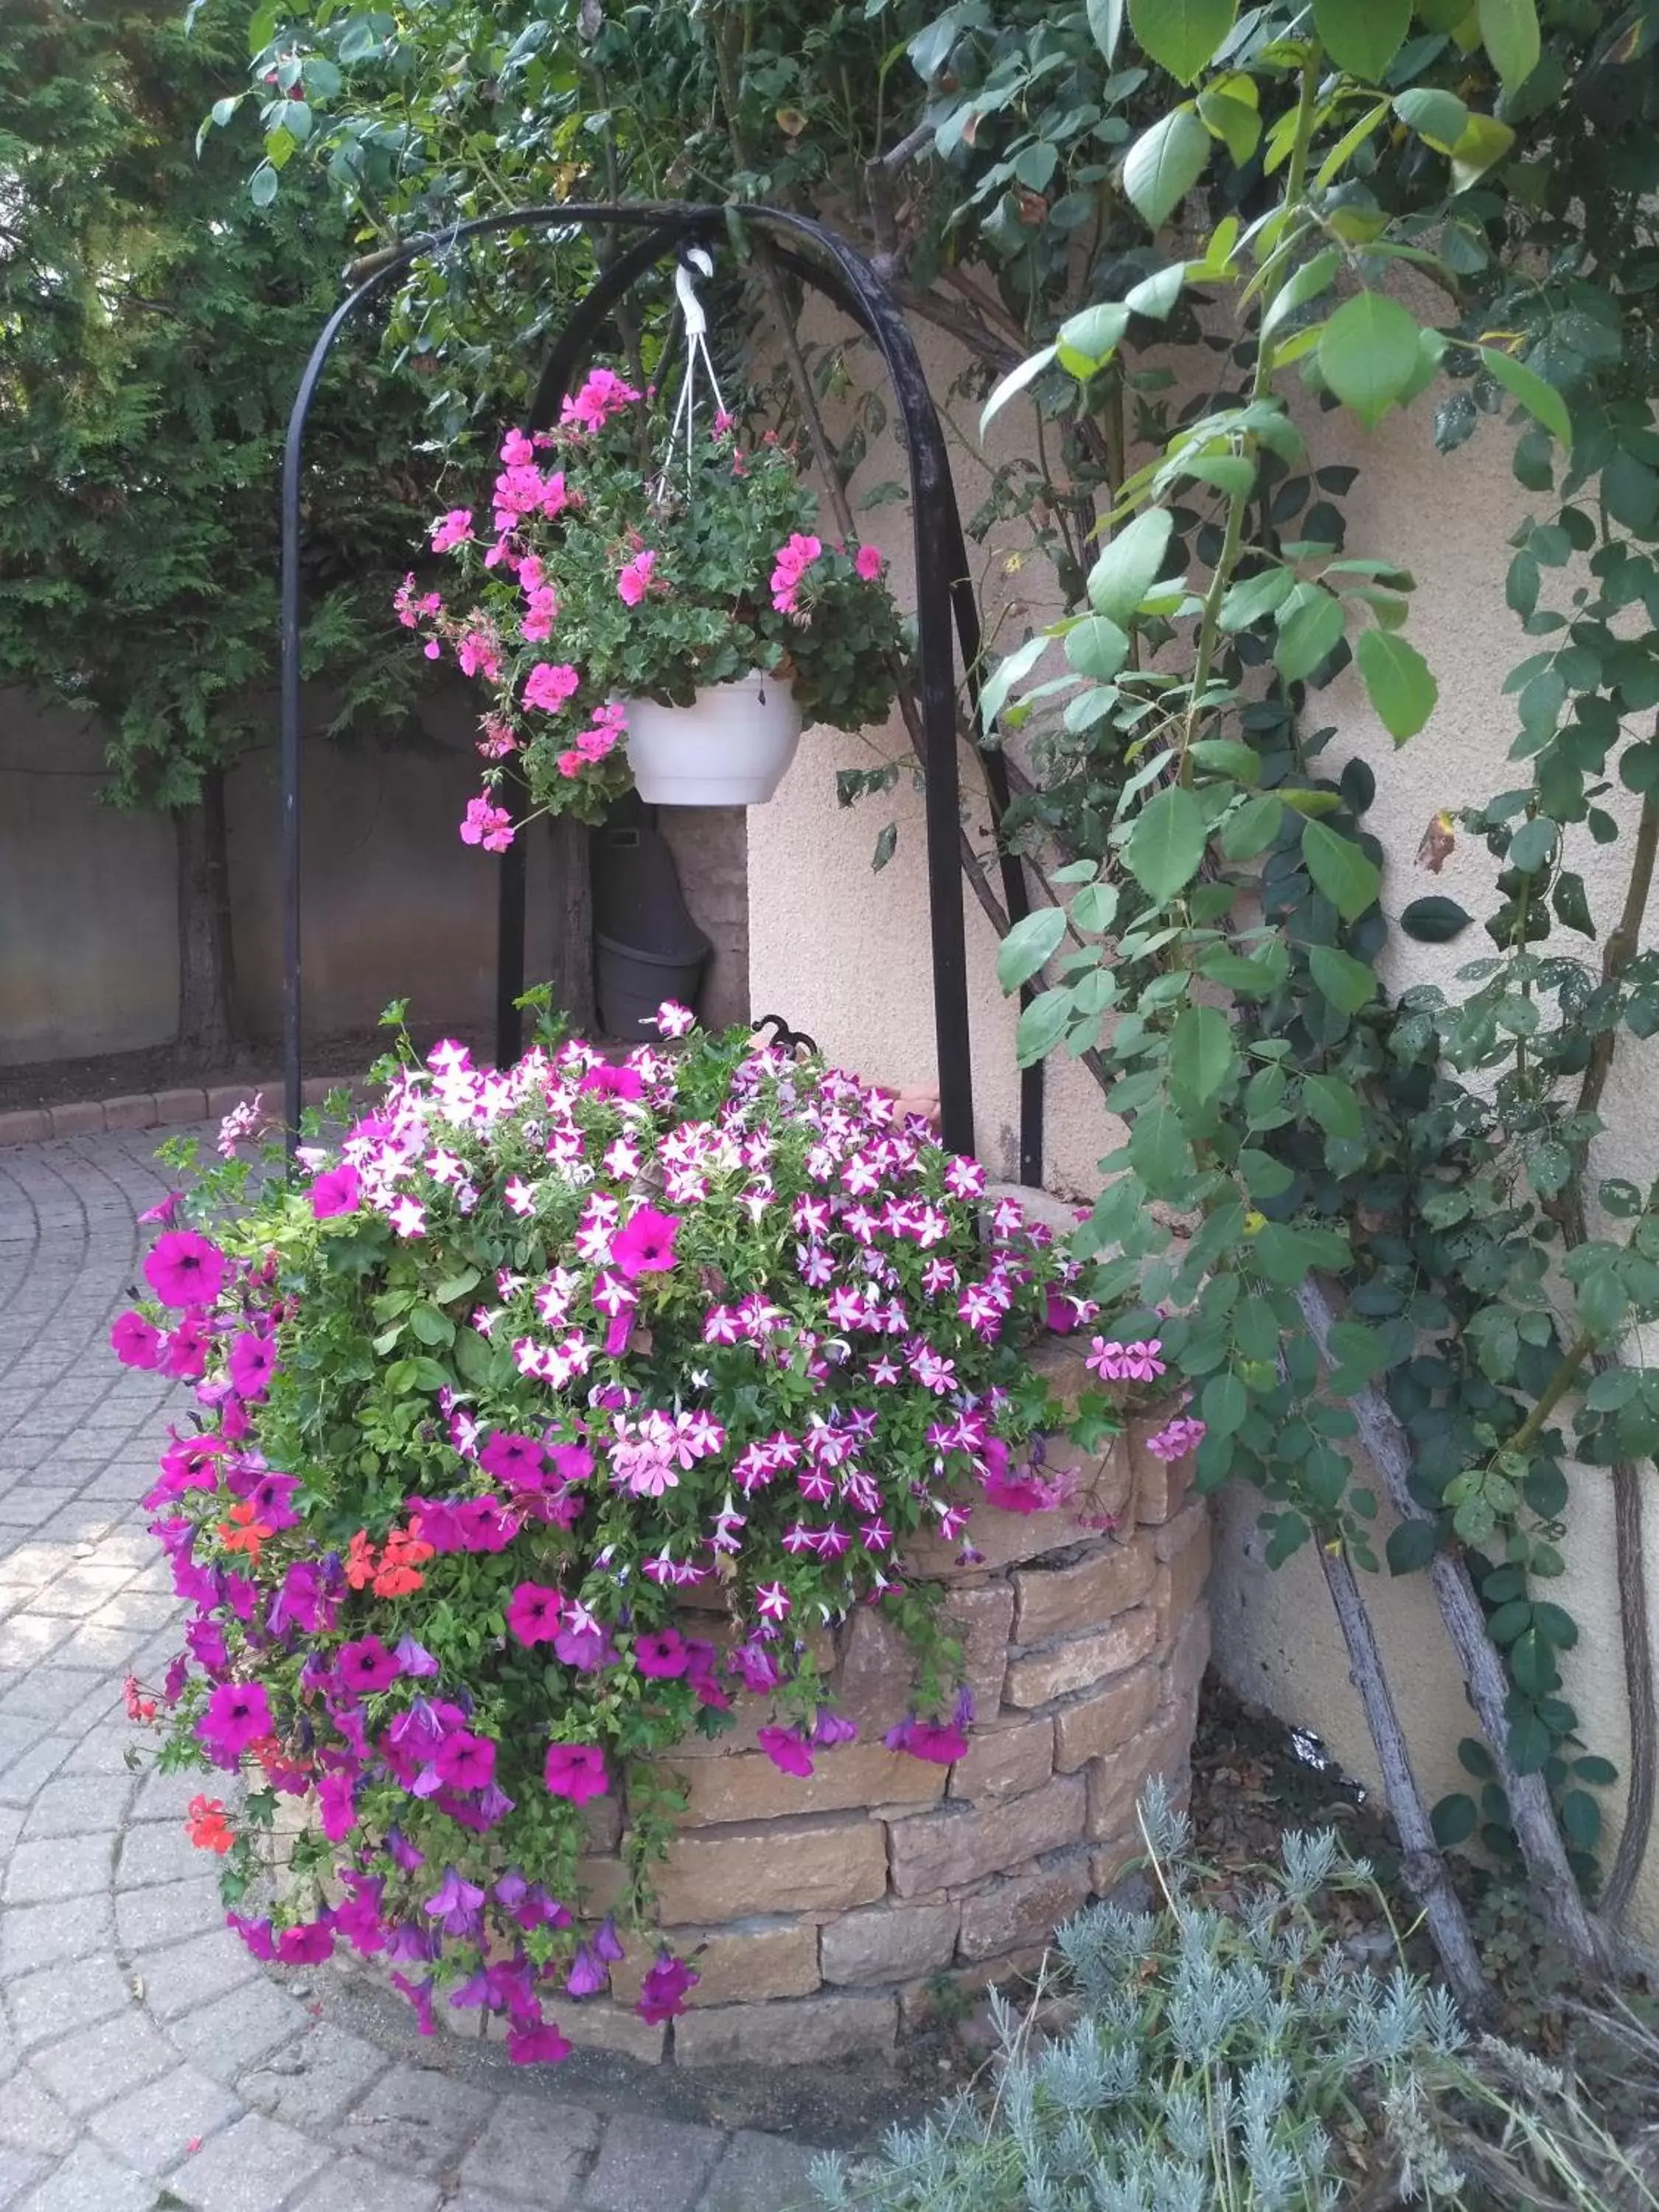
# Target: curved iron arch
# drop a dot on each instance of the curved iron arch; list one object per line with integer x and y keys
{"x": 944, "y": 594}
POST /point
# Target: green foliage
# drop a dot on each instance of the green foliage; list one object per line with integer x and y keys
{"x": 1433, "y": 1154}
{"x": 1236, "y": 2055}
{"x": 152, "y": 329}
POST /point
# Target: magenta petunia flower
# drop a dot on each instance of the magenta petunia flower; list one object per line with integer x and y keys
{"x": 515, "y": 1460}
{"x": 646, "y": 1245}
{"x": 365, "y": 1666}
{"x": 237, "y": 1715}
{"x": 587, "y": 1974}
{"x": 664, "y": 1989}
{"x": 536, "y": 2046}
{"x": 533, "y": 1613}
{"x": 337, "y": 1802}
{"x": 184, "y": 1352}
{"x": 610, "y": 1082}
{"x": 184, "y": 1269}
{"x": 252, "y": 1363}
{"x": 420, "y": 1996}
{"x": 256, "y": 1934}
{"x": 337, "y": 1190}
{"x": 308, "y": 1945}
{"x": 786, "y": 1750}
{"x": 660, "y": 1654}
{"x": 135, "y": 1342}
{"x": 576, "y": 1771}
{"x": 465, "y": 1761}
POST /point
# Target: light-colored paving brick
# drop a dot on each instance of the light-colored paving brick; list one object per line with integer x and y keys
{"x": 152, "y": 2127}
{"x": 253, "y": 2166}
{"x": 90, "y": 2180}
{"x": 534, "y": 2152}
{"x": 358, "y": 2185}
{"x": 415, "y": 2119}
{"x": 145, "y": 1917}
{"x": 314, "y": 2081}
{"x": 36, "y": 1936}
{"x": 650, "y": 2166}
{"x": 44, "y": 2006}
{"x": 760, "y": 2173}
{"x": 236, "y": 2030}
{"x": 186, "y": 1976}
{"x": 97, "y": 2064}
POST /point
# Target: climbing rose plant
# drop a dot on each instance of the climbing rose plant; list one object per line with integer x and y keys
{"x": 602, "y": 574}
{"x": 526, "y": 1357}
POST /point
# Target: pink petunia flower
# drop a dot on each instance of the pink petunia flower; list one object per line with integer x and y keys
{"x": 184, "y": 1269}
{"x": 252, "y": 1363}
{"x": 664, "y": 1989}
{"x": 135, "y": 1342}
{"x": 534, "y": 1613}
{"x": 336, "y": 1191}
{"x": 536, "y": 2046}
{"x": 786, "y": 1749}
{"x": 660, "y": 1655}
{"x": 646, "y": 1245}
{"x": 576, "y": 1771}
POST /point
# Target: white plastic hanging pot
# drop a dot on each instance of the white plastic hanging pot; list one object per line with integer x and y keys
{"x": 730, "y": 747}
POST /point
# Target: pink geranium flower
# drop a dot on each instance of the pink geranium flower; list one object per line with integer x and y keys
{"x": 455, "y": 528}
{"x": 184, "y": 1269}
{"x": 1183, "y": 1434}
{"x": 485, "y": 825}
{"x": 550, "y": 683}
{"x": 576, "y": 1771}
{"x": 634, "y": 580}
{"x": 603, "y": 395}
{"x": 869, "y": 563}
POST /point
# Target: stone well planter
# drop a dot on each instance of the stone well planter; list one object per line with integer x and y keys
{"x": 822, "y": 1912}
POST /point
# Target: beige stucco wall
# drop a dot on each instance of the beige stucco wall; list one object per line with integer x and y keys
{"x": 845, "y": 952}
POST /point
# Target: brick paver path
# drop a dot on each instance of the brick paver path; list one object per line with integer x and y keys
{"x": 146, "y": 2063}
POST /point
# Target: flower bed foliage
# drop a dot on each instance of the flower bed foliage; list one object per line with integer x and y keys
{"x": 1230, "y": 2050}
{"x": 598, "y": 580}
{"x": 521, "y": 1358}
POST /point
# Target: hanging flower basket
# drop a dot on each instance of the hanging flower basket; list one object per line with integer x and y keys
{"x": 730, "y": 747}
{"x": 631, "y": 565}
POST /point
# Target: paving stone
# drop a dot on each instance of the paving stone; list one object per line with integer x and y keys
{"x": 18, "y": 2174}
{"x": 32, "y": 2120}
{"x": 105, "y": 2061}
{"x": 49, "y": 1694}
{"x": 154, "y": 1853}
{"x": 145, "y": 1917}
{"x": 152, "y": 2127}
{"x": 251, "y": 2167}
{"x": 534, "y": 2151}
{"x": 29, "y": 1635}
{"x": 75, "y": 1804}
{"x": 188, "y": 1975}
{"x": 90, "y": 2180}
{"x": 415, "y": 2119}
{"x": 358, "y": 2185}
{"x": 236, "y": 2030}
{"x": 46, "y": 2005}
{"x": 314, "y": 2081}
{"x": 67, "y": 1866}
{"x": 651, "y": 2166}
{"x": 35, "y": 1935}
{"x": 102, "y": 1750}
{"x": 760, "y": 2173}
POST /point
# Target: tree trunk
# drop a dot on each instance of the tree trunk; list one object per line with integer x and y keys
{"x": 205, "y": 972}
{"x": 571, "y": 966}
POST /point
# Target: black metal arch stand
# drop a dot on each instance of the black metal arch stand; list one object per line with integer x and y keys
{"x": 943, "y": 592}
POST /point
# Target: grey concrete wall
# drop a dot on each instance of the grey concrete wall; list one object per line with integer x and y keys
{"x": 395, "y": 905}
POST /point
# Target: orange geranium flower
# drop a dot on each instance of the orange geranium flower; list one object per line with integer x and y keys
{"x": 242, "y": 1531}
{"x": 361, "y": 1562}
{"x": 206, "y": 1825}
